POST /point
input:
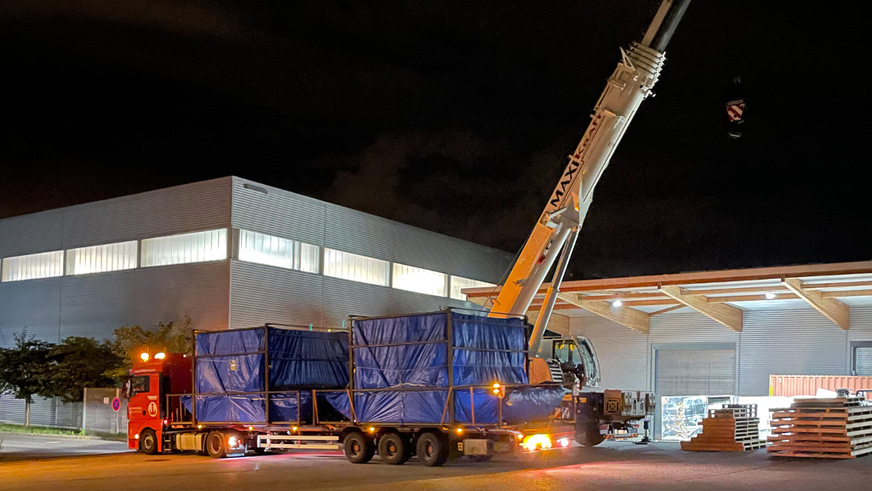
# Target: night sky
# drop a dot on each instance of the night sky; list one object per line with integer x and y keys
{"x": 456, "y": 117}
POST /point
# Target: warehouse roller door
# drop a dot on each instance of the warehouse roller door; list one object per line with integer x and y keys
{"x": 693, "y": 369}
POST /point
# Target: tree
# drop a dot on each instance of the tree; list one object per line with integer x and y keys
{"x": 77, "y": 363}
{"x": 24, "y": 369}
{"x": 169, "y": 337}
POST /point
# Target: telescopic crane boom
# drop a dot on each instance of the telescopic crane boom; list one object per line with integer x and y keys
{"x": 556, "y": 231}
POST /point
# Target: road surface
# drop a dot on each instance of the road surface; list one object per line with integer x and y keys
{"x": 657, "y": 466}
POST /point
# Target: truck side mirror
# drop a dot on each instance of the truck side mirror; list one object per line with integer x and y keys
{"x": 127, "y": 388}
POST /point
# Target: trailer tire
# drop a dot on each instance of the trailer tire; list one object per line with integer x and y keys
{"x": 393, "y": 449}
{"x": 359, "y": 449}
{"x": 215, "y": 446}
{"x": 148, "y": 442}
{"x": 431, "y": 449}
{"x": 589, "y": 436}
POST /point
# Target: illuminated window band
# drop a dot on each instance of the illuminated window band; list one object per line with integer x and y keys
{"x": 102, "y": 258}
{"x": 254, "y": 247}
{"x": 195, "y": 247}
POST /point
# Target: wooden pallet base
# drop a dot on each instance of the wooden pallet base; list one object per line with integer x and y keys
{"x": 835, "y": 428}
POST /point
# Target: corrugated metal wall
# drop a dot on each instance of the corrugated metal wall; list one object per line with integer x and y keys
{"x": 269, "y": 294}
{"x": 277, "y": 212}
{"x": 797, "y": 342}
{"x": 94, "y": 305}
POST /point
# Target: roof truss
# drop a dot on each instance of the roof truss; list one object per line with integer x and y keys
{"x": 725, "y": 314}
{"x": 625, "y": 316}
{"x": 831, "y": 308}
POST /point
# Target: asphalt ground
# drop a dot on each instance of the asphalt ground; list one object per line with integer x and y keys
{"x": 47, "y": 463}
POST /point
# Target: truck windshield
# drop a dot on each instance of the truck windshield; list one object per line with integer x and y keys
{"x": 136, "y": 385}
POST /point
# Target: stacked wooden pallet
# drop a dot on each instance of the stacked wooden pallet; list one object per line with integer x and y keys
{"x": 835, "y": 428}
{"x": 733, "y": 428}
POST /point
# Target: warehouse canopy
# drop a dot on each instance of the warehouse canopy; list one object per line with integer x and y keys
{"x": 831, "y": 289}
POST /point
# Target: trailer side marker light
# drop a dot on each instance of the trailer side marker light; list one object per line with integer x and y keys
{"x": 136, "y": 436}
{"x": 563, "y": 442}
{"x": 372, "y": 429}
{"x": 459, "y": 430}
{"x": 199, "y": 427}
{"x": 293, "y": 428}
{"x": 232, "y": 441}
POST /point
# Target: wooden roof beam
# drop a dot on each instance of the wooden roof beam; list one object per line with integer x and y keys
{"x": 751, "y": 298}
{"x": 720, "y": 312}
{"x": 625, "y": 316}
{"x": 831, "y": 308}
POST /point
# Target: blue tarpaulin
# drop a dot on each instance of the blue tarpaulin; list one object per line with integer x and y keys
{"x": 230, "y": 372}
{"x": 412, "y": 351}
{"x": 395, "y": 357}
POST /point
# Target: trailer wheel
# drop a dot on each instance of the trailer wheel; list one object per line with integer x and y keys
{"x": 148, "y": 441}
{"x": 215, "y": 445}
{"x": 431, "y": 449}
{"x": 589, "y": 435}
{"x": 358, "y": 448}
{"x": 393, "y": 449}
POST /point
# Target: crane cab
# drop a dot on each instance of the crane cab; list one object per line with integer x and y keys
{"x": 571, "y": 360}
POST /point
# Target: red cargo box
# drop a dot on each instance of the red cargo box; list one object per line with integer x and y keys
{"x": 808, "y": 385}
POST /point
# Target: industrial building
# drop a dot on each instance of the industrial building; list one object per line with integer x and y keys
{"x": 226, "y": 252}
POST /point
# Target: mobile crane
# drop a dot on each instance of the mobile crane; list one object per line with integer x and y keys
{"x": 554, "y": 235}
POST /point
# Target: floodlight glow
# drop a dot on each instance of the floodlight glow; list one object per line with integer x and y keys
{"x": 143, "y": 356}
{"x": 160, "y": 356}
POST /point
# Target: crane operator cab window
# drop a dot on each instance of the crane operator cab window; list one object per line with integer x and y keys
{"x": 576, "y": 356}
{"x": 136, "y": 385}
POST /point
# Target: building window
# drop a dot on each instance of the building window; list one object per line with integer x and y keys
{"x": 196, "y": 247}
{"x": 33, "y": 266}
{"x": 419, "y": 280}
{"x": 102, "y": 258}
{"x": 354, "y": 267}
{"x": 310, "y": 258}
{"x": 261, "y": 248}
{"x": 862, "y": 358}
{"x": 458, "y": 283}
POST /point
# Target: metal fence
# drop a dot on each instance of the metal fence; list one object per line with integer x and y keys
{"x": 96, "y": 414}
{"x": 43, "y": 412}
{"x": 104, "y": 411}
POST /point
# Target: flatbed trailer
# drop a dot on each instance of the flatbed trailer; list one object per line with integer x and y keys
{"x": 235, "y": 402}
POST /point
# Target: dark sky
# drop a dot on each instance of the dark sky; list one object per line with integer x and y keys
{"x": 455, "y": 117}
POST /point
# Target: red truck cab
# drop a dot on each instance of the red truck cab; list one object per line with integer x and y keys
{"x": 151, "y": 379}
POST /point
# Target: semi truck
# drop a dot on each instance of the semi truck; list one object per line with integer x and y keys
{"x": 435, "y": 385}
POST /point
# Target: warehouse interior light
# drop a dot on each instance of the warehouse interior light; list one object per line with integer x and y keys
{"x": 770, "y": 296}
{"x": 617, "y": 303}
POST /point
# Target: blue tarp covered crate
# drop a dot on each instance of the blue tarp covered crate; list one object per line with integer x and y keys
{"x": 231, "y": 369}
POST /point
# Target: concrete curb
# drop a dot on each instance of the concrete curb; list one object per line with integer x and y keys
{"x": 52, "y": 435}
